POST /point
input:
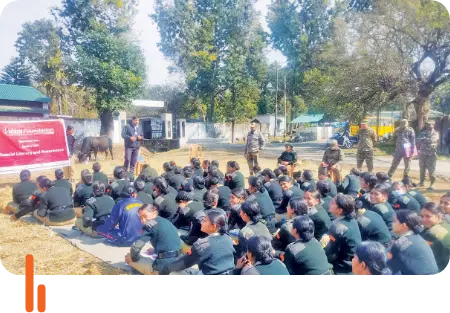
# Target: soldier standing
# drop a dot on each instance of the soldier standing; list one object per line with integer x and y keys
{"x": 255, "y": 142}
{"x": 427, "y": 144}
{"x": 366, "y": 139}
{"x": 404, "y": 136}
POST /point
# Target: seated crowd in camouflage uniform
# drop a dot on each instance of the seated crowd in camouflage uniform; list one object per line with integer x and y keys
{"x": 279, "y": 225}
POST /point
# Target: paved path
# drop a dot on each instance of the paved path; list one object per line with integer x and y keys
{"x": 313, "y": 151}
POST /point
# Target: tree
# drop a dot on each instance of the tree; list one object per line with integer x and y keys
{"x": 418, "y": 30}
{"x": 39, "y": 45}
{"x": 100, "y": 53}
{"x": 16, "y": 73}
{"x": 200, "y": 36}
{"x": 299, "y": 29}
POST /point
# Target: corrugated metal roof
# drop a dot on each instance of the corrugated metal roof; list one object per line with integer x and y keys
{"x": 22, "y": 93}
{"x": 19, "y": 109}
{"x": 307, "y": 118}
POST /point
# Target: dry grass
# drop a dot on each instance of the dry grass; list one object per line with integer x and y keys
{"x": 56, "y": 256}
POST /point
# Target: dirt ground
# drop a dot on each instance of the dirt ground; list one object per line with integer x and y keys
{"x": 56, "y": 256}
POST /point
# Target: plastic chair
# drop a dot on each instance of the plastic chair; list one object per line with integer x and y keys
{"x": 196, "y": 151}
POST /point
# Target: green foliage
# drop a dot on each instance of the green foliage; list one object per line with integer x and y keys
{"x": 16, "y": 73}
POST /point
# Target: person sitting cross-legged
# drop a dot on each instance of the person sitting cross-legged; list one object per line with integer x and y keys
{"x": 96, "y": 212}
{"x": 139, "y": 185}
{"x": 289, "y": 156}
{"x": 82, "y": 193}
{"x": 32, "y": 203}
{"x": 21, "y": 192}
{"x": 61, "y": 182}
{"x": 99, "y": 176}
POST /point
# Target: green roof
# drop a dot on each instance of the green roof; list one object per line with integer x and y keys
{"x": 307, "y": 118}
{"x": 19, "y": 109}
{"x": 22, "y": 93}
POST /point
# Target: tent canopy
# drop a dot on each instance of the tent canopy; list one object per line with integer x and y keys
{"x": 307, "y": 118}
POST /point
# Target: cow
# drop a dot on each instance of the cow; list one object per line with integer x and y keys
{"x": 95, "y": 144}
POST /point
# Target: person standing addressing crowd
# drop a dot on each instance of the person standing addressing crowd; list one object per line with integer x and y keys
{"x": 69, "y": 171}
{"x": 366, "y": 139}
{"x": 404, "y": 138}
{"x": 132, "y": 143}
{"x": 255, "y": 142}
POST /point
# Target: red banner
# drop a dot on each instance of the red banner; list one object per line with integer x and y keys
{"x": 32, "y": 145}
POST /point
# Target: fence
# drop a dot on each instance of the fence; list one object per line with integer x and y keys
{"x": 221, "y": 131}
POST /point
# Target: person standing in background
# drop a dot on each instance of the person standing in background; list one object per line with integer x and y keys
{"x": 132, "y": 143}
{"x": 255, "y": 142}
{"x": 366, "y": 139}
{"x": 69, "y": 171}
{"x": 404, "y": 137}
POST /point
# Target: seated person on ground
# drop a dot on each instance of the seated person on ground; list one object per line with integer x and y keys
{"x": 199, "y": 188}
{"x": 289, "y": 191}
{"x": 21, "y": 192}
{"x": 379, "y": 204}
{"x": 97, "y": 175}
{"x": 162, "y": 235}
{"x": 187, "y": 208}
{"x": 115, "y": 188}
{"x": 205, "y": 166}
{"x": 410, "y": 187}
{"x": 188, "y": 174}
{"x": 258, "y": 192}
{"x": 55, "y": 207}
{"x": 370, "y": 259}
{"x": 368, "y": 181}
{"x": 323, "y": 187}
{"x": 139, "y": 185}
{"x": 351, "y": 184}
{"x": 31, "y": 204}
{"x": 308, "y": 183}
{"x": 213, "y": 254}
{"x": 273, "y": 187}
{"x": 444, "y": 206}
{"x": 223, "y": 191}
{"x": 402, "y": 200}
{"x": 123, "y": 227}
{"x": 237, "y": 197}
{"x": 176, "y": 179}
{"x": 298, "y": 177}
{"x": 323, "y": 176}
{"x": 148, "y": 189}
{"x": 153, "y": 173}
{"x": 83, "y": 191}
{"x": 97, "y": 210}
{"x": 383, "y": 178}
{"x": 305, "y": 256}
{"x": 165, "y": 200}
{"x": 317, "y": 213}
{"x": 283, "y": 237}
{"x": 61, "y": 182}
{"x": 215, "y": 163}
{"x": 259, "y": 259}
{"x": 289, "y": 156}
{"x": 234, "y": 178}
{"x": 195, "y": 163}
{"x": 372, "y": 226}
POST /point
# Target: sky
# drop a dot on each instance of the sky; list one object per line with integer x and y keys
{"x": 21, "y": 11}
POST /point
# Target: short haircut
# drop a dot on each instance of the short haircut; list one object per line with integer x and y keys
{"x": 59, "y": 174}
{"x": 96, "y": 167}
{"x": 284, "y": 179}
{"x": 98, "y": 189}
{"x": 134, "y": 118}
{"x": 304, "y": 227}
{"x": 25, "y": 175}
{"x": 308, "y": 175}
{"x": 70, "y": 127}
{"x": 87, "y": 178}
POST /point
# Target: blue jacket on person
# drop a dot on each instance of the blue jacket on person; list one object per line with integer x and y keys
{"x": 125, "y": 214}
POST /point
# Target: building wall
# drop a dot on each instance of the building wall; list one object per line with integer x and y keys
{"x": 220, "y": 131}
{"x": 270, "y": 119}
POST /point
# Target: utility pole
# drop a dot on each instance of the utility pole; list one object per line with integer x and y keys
{"x": 276, "y": 104}
{"x": 285, "y": 107}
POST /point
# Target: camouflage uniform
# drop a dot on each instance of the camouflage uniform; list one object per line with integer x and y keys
{"x": 334, "y": 156}
{"x": 255, "y": 142}
{"x": 427, "y": 144}
{"x": 402, "y": 135}
{"x": 366, "y": 139}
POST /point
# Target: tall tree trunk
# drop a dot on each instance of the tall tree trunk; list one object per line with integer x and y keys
{"x": 107, "y": 123}
{"x": 422, "y": 107}
{"x": 60, "y": 103}
{"x": 211, "y": 111}
{"x": 233, "y": 124}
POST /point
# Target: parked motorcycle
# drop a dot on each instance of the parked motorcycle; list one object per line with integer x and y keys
{"x": 345, "y": 140}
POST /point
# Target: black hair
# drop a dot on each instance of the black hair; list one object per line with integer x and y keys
{"x": 168, "y": 166}
{"x": 148, "y": 207}
{"x": 374, "y": 255}
{"x": 219, "y": 219}
{"x": 251, "y": 208}
{"x": 184, "y": 196}
{"x": 212, "y": 171}
{"x": 96, "y": 167}
{"x": 324, "y": 188}
{"x": 383, "y": 188}
{"x": 284, "y": 179}
{"x": 134, "y": 118}
{"x": 308, "y": 175}
{"x": 289, "y": 145}
{"x": 268, "y": 172}
{"x": 347, "y": 204}
{"x": 139, "y": 185}
{"x": 215, "y": 163}
{"x": 408, "y": 182}
{"x": 239, "y": 193}
{"x": 199, "y": 182}
{"x": 127, "y": 191}
{"x": 383, "y": 177}
{"x": 46, "y": 183}
{"x": 261, "y": 248}
{"x": 98, "y": 189}
{"x": 187, "y": 186}
{"x": 177, "y": 170}
{"x": 299, "y": 206}
{"x": 297, "y": 175}
{"x": 284, "y": 170}
{"x": 411, "y": 219}
{"x": 173, "y": 163}
{"x": 304, "y": 227}
{"x": 87, "y": 178}
{"x": 195, "y": 163}
{"x": 161, "y": 184}
{"x": 277, "y": 172}
{"x": 119, "y": 172}
{"x": 70, "y": 127}
{"x": 206, "y": 162}
{"x": 370, "y": 179}
{"x": 165, "y": 166}
{"x": 145, "y": 176}
{"x": 210, "y": 199}
{"x": 323, "y": 171}
{"x": 432, "y": 208}
{"x": 40, "y": 179}
{"x": 234, "y": 164}
{"x": 187, "y": 172}
{"x": 397, "y": 184}
{"x": 315, "y": 194}
{"x": 355, "y": 171}
{"x": 59, "y": 174}
{"x": 25, "y": 175}
{"x": 214, "y": 181}
{"x": 256, "y": 182}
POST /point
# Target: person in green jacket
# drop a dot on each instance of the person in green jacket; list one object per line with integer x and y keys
{"x": 99, "y": 176}
{"x": 233, "y": 177}
{"x": 259, "y": 259}
{"x": 317, "y": 213}
{"x": 370, "y": 259}
{"x": 444, "y": 207}
{"x": 410, "y": 188}
{"x": 402, "y": 200}
{"x": 61, "y": 182}
{"x": 436, "y": 234}
{"x": 379, "y": 199}
{"x": 351, "y": 184}
{"x": 139, "y": 185}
